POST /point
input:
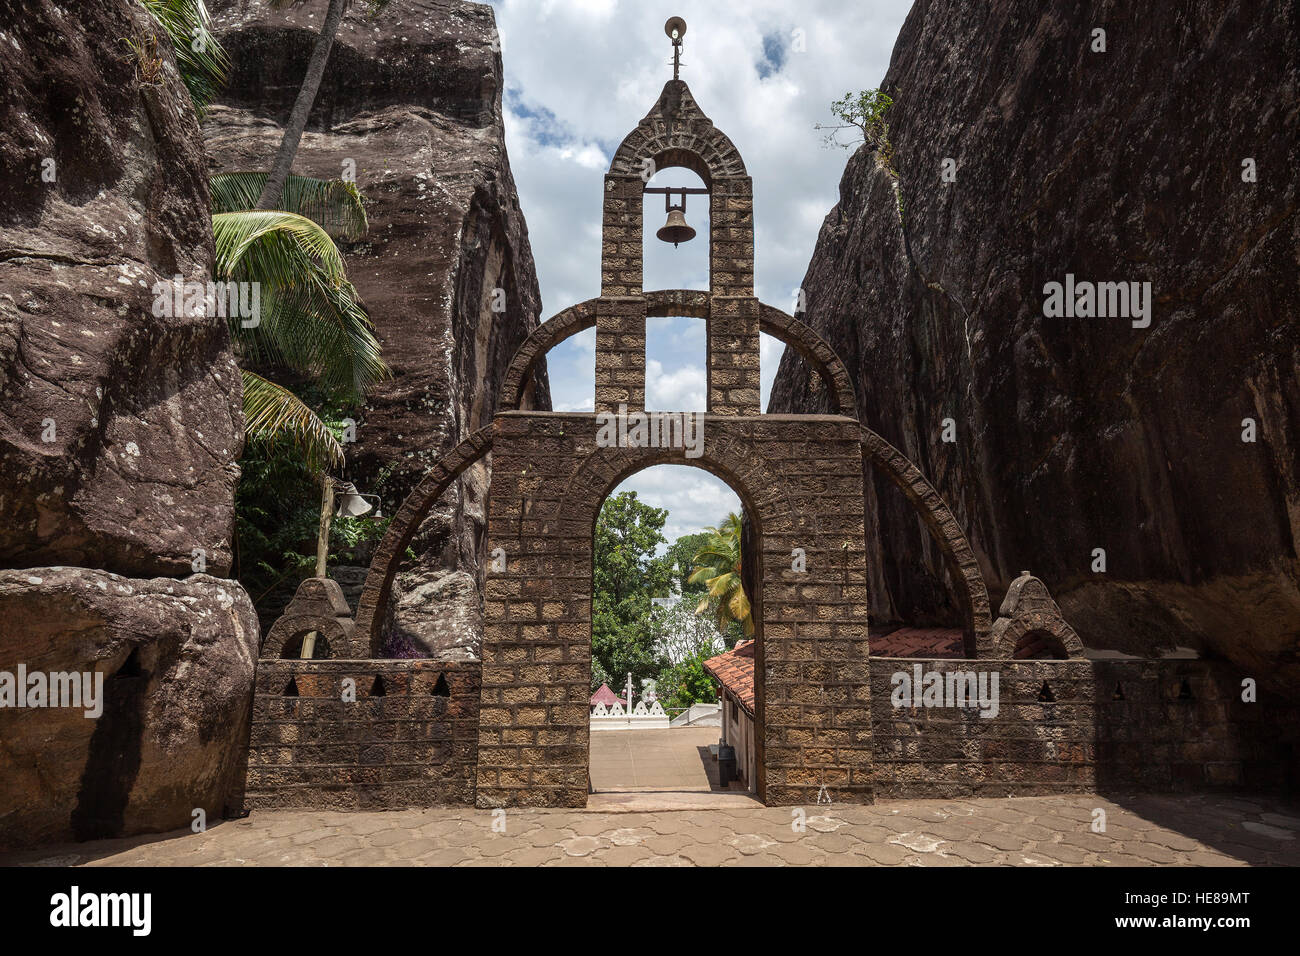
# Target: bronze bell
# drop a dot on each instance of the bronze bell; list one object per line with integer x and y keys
{"x": 676, "y": 230}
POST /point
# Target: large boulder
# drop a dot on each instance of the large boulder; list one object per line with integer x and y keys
{"x": 121, "y": 427}
{"x": 176, "y": 660}
{"x": 411, "y": 102}
{"x": 1077, "y": 434}
{"x": 436, "y": 614}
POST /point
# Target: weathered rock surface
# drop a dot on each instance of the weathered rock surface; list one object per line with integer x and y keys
{"x": 412, "y": 99}
{"x": 437, "y": 614}
{"x": 1080, "y": 433}
{"x": 177, "y": 659}
{"x": 120, "y": 429}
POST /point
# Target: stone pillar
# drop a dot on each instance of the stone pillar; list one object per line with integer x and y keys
{"x": 620, "y": 354}
{"x": 621, "y": 241}
{"x": 733, "y": 345}
{"x": 533, "y": 721}
{"x": 731, "y": 236}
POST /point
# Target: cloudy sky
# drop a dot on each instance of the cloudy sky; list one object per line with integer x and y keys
{"x": 581, "y": 73}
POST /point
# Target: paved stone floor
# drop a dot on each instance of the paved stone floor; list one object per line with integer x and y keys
{"x": 1027, "y": 831}
{"x": 674, "y": 759}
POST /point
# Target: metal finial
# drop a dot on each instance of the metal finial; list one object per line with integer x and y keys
{"x": 675, "y": 28}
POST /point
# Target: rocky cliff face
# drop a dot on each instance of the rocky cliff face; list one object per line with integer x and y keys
{"x": 412, "y": 103}
{"x": 120, "y": 427}
{"x": 1169, "y": 159}
{"x": 119, "y": 432}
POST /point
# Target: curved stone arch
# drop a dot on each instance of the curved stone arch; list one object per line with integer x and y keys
{"x": 373, "y": 604}
{"x": 561, "y": 326}
{"x": 773, "y": 516}
{"x": 691, "y": 142}
{"x": 814, "y": 350}
{"x": 692, "y": 303}
{"x": 599, "y": 472}
{"x": 1027, "y": 610}
{"x": 1007, "y": 640}
{"x": 318, "y": 605}
{"x": 335, "y": 635}
{"x": 945, "y": 530}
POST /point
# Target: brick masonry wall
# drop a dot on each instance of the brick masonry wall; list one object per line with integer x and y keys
{"x": 800, "y": 479}
{"x": 409, "y": 747}
{"x": 620, "y": 354}
{"x": 1155, "y": 739}
{"x": 733, "y": 354}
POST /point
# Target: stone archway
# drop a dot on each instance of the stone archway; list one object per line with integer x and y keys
{"x": 800, "y": 478}
{"x": 372, "y": 607}
{"x": 947, "y": 533}
{"x": 598, "y": 476}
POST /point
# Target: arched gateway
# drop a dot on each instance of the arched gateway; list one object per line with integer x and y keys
{"x": 800, "y": 478}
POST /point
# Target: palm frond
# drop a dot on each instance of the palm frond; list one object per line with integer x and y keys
{"x": 202, "y": 61}
{"x": 273, "y": 243}
{"x": 273, "y": 413}
{"x": 738, "y": 607}
{"x": 702, "y": 575}
{"x": 333, "y": 204}
{"x": 721, "y": 585}
{"x": 312, "y": 320}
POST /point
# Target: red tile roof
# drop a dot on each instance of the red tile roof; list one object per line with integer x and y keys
{"x": 734, "y": 670}
{"x": 605, "y": 696}
{"x": 918, "y": 642}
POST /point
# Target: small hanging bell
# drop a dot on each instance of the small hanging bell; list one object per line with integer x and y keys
{"x": 676, "y": 230}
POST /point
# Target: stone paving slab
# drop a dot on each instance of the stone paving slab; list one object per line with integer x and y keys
{"x": 1025, "y": 831}
{"x": 675, "y": 759}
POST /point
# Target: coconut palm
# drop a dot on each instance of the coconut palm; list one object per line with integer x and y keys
{"x": 311, "y": 323}
{"x": 718, "y": 568}
{"x": 199, "y": 57}
{"x": 297, "y": 122}
{"x": 332, "y": 204}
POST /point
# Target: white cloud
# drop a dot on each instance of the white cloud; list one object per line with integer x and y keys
{"x": 679, "y": 390}
{"x": 695, "y": 500}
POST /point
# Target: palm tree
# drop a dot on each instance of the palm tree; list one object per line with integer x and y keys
{"x": 199, "y": 57}
{"x": 297, "y": 122}
{"x": 718, "y": 567}
{"x": 310, "y": 319}
{"x": 311, "y": 322}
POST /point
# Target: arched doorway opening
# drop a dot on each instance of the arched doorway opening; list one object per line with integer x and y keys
{"x": 673, "y": 652}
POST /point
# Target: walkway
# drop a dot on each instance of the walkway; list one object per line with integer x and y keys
{"x": 645, "y": 760}
{"x": 1027, "y": 831}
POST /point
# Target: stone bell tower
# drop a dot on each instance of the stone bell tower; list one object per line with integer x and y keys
{"x": 677, "y": 133}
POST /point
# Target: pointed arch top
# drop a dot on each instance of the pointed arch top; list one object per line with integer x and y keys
{"x": 676, "y": 132}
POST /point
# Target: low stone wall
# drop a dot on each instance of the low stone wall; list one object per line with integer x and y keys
{"x": 1138, "y": 726}
{"x": 409, "y": 739}
{"x": 1126, "y": 726}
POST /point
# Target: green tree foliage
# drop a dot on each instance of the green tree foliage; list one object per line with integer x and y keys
{"x": 690, "y": 640}
{"x": 277, "y": 508}
{"x": 332, "y": 204}
{"x": 626, "y": 575}
{"x": 312, "y": 321}
{"x": 199, "y": 57}
{"x": 681, "y": 558}
{"x": 864, "y": 112}
{"x": 718, "y": 569}
{"x": 688, "y": 683}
